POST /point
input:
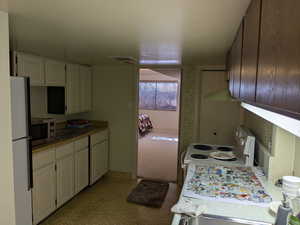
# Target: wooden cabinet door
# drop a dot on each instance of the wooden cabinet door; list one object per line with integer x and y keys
{"x": 99, "y": 157}
{"x": 85, "y": 89}
{"x": 55, "y": 73}
{"x": 236, "y": 63}
{"x": 81, "y": 169}
{"x": 73, "y": 89}
{"x": 65, "y": 179}
{"x": 32, "y": 67}
{"x": 250, "y": 52}
{"x": 44, "y": 192}
{"x": 278, "y": 79}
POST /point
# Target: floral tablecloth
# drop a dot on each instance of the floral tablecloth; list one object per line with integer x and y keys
{"x": 233, "y": 184}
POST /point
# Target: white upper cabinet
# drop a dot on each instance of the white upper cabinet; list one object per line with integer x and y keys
{"x": 55, "y": 73}
{"x": 78, "y": 89}
{"x": 31, "y": 66}
{"x": 73, "y": 89}
{"x": 85, "y": 89}
{"x": 76, "y": 79}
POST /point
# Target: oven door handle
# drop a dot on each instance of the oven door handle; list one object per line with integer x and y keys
{"x": 182, "y": 156}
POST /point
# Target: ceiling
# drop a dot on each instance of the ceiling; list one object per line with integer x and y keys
{"x": 152, "y": 31}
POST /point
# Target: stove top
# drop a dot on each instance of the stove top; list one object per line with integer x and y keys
{"x": 203, "y": 147}
{"x": 199, "y": 153}
{"x": 225, "y": 149}
{"x": 227, "y": 160}
{"x": 199, "y": 156}
{"x": 211, "y": 148}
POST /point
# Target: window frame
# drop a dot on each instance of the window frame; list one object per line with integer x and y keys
{"x": 161, "y": 81}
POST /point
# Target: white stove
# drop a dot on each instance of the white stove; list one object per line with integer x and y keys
{"x": 200, "y": 153}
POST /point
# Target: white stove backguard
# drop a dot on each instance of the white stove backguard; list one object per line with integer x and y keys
{"x": 245, "y": 145}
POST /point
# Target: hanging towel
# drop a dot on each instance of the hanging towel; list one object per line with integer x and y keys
{"x": 186, "y": 207}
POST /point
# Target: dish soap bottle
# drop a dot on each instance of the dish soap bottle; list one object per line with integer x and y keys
{"x": 284, "y": 212}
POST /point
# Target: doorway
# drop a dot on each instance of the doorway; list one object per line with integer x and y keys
{"x": 158, "y": 124}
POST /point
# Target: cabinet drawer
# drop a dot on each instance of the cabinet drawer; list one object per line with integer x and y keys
{"x": 42, "y": 159}
{"x": 81, "y": 144}
{"x": 64, "y": 150}
{"x": 99, "y": 137}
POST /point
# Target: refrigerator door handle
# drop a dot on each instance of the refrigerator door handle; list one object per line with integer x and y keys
{"x": 29, "y": 141}
{"x": 28, "y": 104}
{"x": 29, "y": 163}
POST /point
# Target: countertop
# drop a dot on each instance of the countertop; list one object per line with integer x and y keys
{"x": 232, "y": 210}
{"x": 67, "y": 135}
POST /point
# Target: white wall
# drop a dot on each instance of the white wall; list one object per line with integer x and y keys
{"x": 114, "y": 94}
{"x": 7, "y": 206}
{"x": 297, "y": 157}
{"x": 218, "y": 119}
{"x": 4, "y": 5}
{"x": 163, "y": 121}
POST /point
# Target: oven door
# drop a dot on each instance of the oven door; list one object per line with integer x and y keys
{"x": 39, "y": 131}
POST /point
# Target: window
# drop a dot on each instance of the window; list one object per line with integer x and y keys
{"x": 158, "y": 95}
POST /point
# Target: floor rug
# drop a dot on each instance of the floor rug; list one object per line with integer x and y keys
{"x": 149, "y": 193}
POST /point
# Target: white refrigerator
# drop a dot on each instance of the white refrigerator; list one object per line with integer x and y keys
{"x": 22, "y": 152}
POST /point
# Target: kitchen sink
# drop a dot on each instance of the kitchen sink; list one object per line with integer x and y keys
{"x": 217, "y": 220}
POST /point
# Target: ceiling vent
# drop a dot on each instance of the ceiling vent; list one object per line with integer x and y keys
{"x": 125, "y": 59}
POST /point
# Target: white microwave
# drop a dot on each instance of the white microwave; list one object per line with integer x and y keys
{"x": 42, "y": 129}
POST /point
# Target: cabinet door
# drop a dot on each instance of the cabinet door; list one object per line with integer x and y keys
{"x": 73, "y": 89}
{"x": 99, "y": 165}
{"x": 236, "y": 62}
{"x": 250, "y": 51}
{"x": 32, "y": 67}
{"x": 44, "y": 192}
{"x": 85, "y": 89}
{"x": 81, "y": 170}
{"x": 65, "y": 179}
{"x": 55, "y": 73}
{"x": 278, "y": 79}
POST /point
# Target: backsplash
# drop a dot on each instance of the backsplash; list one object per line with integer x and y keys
{"x": 261, "y": 128}
{"x": 280, "y": 158}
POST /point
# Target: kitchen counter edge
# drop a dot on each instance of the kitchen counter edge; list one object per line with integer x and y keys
{"x": 58, "y": 143}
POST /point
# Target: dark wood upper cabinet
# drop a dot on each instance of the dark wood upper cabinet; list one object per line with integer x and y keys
{"x": 236, "y": 63}
{"x": 250, "y": 51}
{"x": 229, "y": 71}
{"x": 278, "y": 77}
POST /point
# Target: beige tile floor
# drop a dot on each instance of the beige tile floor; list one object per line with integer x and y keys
{"x": 105, "y": 204}
{"x": 157, "y": 159}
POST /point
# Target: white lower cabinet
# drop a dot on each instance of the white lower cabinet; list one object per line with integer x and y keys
{"x": 44, "y": 185}
{"x": 62, "y": 172}
{"x": 81, "y": 169}
{"x": 65, "y": 179}
{"x": 99, "y": 156}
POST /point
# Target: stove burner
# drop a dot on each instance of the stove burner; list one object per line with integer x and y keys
{"x": 228, "y": 160}
{"x": 224, "y": 149}
{"x": 203, "y": 147}
{"x": 199, "y": 156}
